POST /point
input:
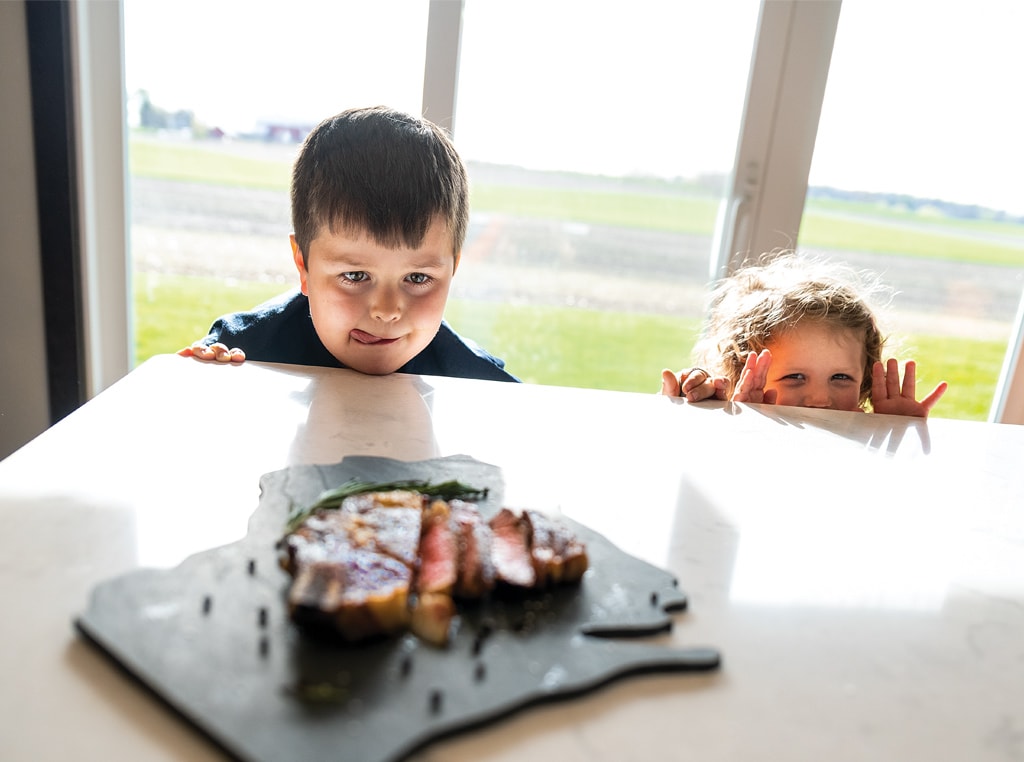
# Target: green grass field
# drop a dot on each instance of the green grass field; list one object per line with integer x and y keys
{"x": 574, "y": 347}
{"x": 555, "y": 346}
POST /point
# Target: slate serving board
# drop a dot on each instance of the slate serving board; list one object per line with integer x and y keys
{"x": 211, "y": 637}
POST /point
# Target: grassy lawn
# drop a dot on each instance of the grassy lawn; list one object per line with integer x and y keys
{"x": 187, "y": 162}
{"x": 555, "y": 346}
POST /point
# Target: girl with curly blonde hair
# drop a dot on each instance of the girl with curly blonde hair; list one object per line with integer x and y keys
{"x": 793, "y": 330}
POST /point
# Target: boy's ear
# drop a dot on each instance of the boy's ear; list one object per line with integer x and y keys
{"x": 458, "y": 257}
{"x": 300, "y": 265}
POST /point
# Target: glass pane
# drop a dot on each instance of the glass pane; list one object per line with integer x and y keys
{"x": 599, "y": 137}
{"x": 916, "y": 176}
{"x": 220, "y": 95}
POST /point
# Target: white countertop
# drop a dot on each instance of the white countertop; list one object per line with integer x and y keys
{"x": 862, "y": 575}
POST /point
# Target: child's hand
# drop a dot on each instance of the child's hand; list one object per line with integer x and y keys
{"x": 753, "y": 378}
{"x": 887, "y": 396}
{"x": 695, "y": 384}
{"x": 216, "y": 352}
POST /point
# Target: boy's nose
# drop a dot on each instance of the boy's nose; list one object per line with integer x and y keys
{"x": 386, "y": 305}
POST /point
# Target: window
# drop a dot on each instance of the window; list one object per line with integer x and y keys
{"x": 598, "y": 137}
{"x": 915, "y": 176}
{"x": 219, "y": 96}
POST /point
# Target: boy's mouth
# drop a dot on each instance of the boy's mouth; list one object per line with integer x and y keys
{"x": 368, "y": 338}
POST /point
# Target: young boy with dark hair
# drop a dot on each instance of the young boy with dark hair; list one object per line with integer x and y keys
{"x": 379, "y": 212}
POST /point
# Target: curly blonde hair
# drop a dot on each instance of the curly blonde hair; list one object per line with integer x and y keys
{"x": 763, "y": 299}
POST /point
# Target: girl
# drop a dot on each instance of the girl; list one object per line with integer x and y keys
{"x": 794, "y": 331}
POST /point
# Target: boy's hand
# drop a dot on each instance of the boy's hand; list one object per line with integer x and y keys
{"x": 695, "y": 384}
{"x": 887, "y": 397}
{"x": 215, "y": 352}
{"x": 753, "y": 378}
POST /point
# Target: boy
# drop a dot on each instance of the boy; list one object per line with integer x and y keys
{"x": 379, "y": 212}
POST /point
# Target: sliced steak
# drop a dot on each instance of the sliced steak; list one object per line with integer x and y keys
{"x": 476, "y": 565}
{"x": 510, "y": 549}
{"x": 353, "y": 566}
{"x": 439, "y": 555}
{"x": 384, "y": 562}
{"x": 557, "y": 554}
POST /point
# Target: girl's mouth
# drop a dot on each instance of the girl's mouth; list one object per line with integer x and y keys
{"x": 368, "y": 338}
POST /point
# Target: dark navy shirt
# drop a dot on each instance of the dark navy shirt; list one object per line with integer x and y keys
{"x": 281, "y": 330}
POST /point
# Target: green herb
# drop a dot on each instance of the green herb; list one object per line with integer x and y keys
{"x": 321, "y": 693}
{"x": 333, "y": 498}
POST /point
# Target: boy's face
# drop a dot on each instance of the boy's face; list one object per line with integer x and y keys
{"x": 817, "y": 365}
{"x": 376, "y": 308}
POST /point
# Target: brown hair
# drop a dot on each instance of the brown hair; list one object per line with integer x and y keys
{"x": 764, "y": 299}
{"x": 380, "y": 171}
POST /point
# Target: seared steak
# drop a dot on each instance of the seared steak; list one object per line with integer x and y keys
{"x": 383, "y": 562}
{"x": 557, "y": 554}
{"x": 476, "y": 564}
{"x": 353, "y": 566}
{"x": 510, "y": 549}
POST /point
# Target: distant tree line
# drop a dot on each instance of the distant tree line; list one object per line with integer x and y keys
{"x": 913, "y": 204}
{"x": 154, "y": 117}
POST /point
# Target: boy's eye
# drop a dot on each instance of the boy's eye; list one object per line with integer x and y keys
{"x": 842, "y": 377}
{"x": 355, "y": 277}
{"x": 418, "y": 278}
{"x": 793, "y": 377}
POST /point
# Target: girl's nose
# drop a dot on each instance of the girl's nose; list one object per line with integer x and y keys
{"x": 818, "y": 397}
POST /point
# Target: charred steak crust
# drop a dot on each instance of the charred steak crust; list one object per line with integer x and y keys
{"x": 384, "y": 562}
{"x": 353, "y": 566}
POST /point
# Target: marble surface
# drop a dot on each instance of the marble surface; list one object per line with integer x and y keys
{"x": 863, "y": 576}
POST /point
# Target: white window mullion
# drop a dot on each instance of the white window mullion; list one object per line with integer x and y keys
{"x": 441, "y": 67}
{"x": 789, "y": 68}
{"x": 1008, "y": 403}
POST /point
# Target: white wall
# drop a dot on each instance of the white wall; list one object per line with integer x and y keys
{"x": 24, "y": 401}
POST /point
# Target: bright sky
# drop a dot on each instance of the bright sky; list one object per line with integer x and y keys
{"x": 922, "y": 95}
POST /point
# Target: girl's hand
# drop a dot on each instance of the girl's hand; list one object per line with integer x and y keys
{"x": 695, "y": 384}
{"x": 753, "y": 377}
{"x": 215, "y": 352}
{"x": 889, "y": 398}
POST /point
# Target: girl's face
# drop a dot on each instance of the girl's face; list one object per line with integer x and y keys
{"x": 817, "y": 365}
{"x": 376, "y": 308}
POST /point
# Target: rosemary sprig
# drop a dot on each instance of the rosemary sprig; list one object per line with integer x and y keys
{"x": 333, "y": 498}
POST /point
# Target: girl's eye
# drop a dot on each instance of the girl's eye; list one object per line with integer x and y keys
{"x": 794, "y": 377}
{"x": 418, "y": 278}
{"x": 842, "y": 377}
{"x": 355, "y": 277}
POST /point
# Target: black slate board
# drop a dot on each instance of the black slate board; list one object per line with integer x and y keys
{"x": 212, "y": 638}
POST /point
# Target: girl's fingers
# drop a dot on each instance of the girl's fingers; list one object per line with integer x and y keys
{"x": 929, "y": 402}
{"x": 669, "y": 384}
{"x": 910, "y": 380}
{"x": 892, "y": 378}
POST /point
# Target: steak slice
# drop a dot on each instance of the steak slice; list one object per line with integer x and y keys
{"x": 475, "y": 577}
{"x": 557, "y": 554}
{"x": 510, "y": 549}
{"x": 365, "y": 596}
{"x": 433, "y": 609}
{"x": 439, "y": 555}
{"x": 353, "y": 566}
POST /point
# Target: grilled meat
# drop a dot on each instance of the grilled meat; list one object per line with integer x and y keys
{"x": 353, "y": 567}
{"x": 557, "y": 554}
{"x": 384, "y": 562}
{"x": 510, "y": 549}
{"x": 474, "y": 541}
